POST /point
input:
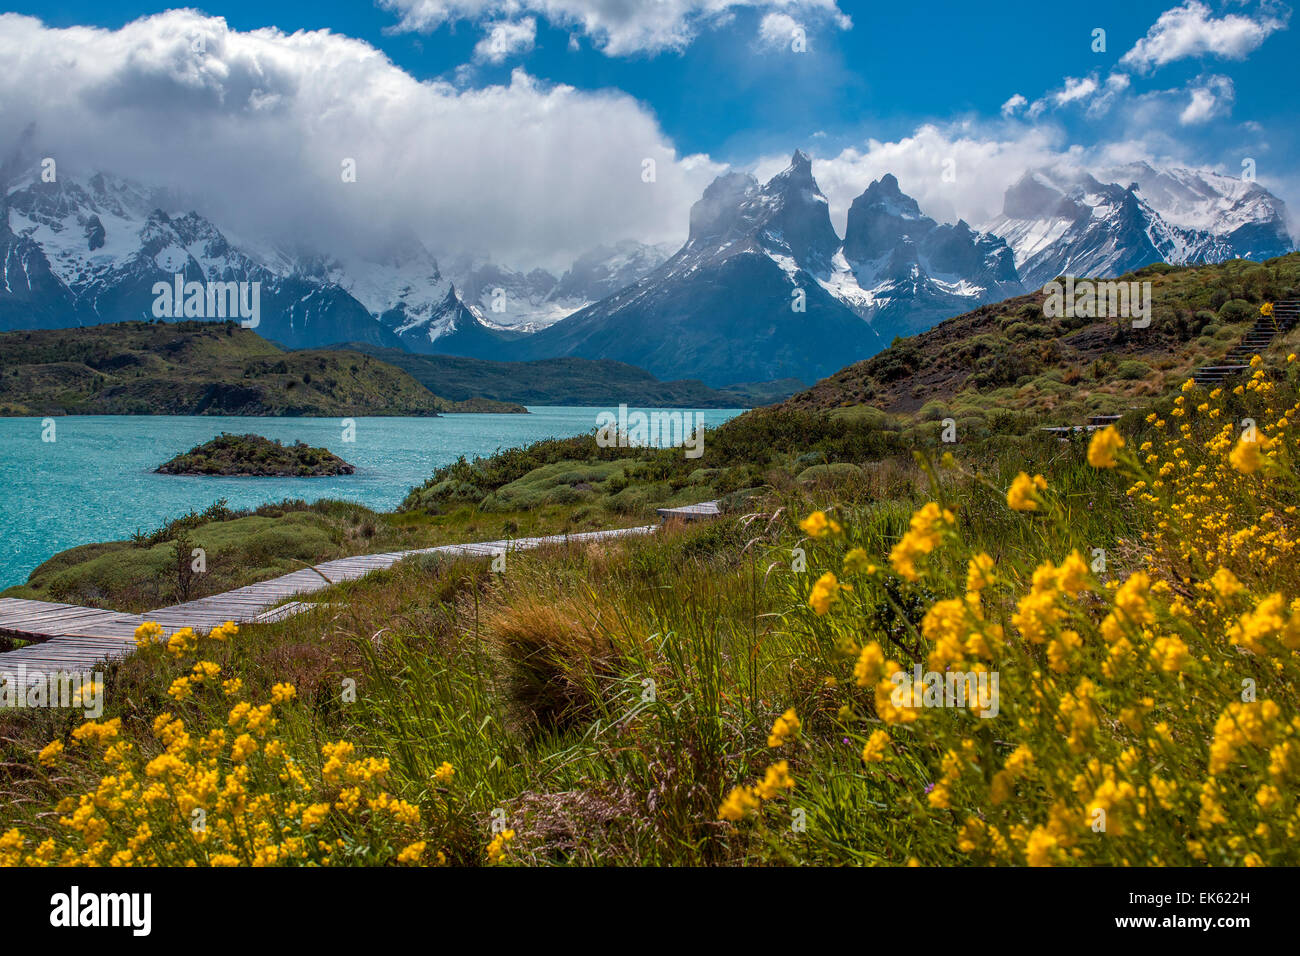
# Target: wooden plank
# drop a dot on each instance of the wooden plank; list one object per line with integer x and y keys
{"x": 41, "y": 620}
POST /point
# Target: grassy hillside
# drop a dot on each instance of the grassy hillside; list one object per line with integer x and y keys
{"x": 1008, "y": 357}
{"x": 196, "y": 368}
{"x": 572, "y": 381}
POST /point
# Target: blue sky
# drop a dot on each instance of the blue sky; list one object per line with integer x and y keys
{"x": 878, "y": 85}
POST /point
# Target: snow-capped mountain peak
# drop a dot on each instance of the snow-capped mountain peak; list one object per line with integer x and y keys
{"x": 1201, "y": 199}
{"x": 1066, "y": 220}
{"x": 899, "y": 267}
{"x": 87, "y": 250}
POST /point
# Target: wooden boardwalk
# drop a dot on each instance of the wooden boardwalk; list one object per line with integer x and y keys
{"x": 76, "y": 639}
{"x": 699, "y": 512}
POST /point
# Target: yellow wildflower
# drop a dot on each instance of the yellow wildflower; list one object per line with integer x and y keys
{"x": 496, "y": 850}
{"x": 785, "y": 727}
{"x": 877, "y": 747}
{"x": 776, "y": 779}
{"x": 979, "y": 573}
{"x": 923, "y": 536}
{"x": 1040, "y": 848}
{"x": 50, "y": 753}
{"x": 1226, "y": 584}
{"x": 1021, "y": 496}
{"x": 817, "y": 525}
{"x": 870, "y": 665}
{"x": 826, "y": 592}
{"x": 204, "y": 670}
{"x": 224, "y": 631}
{"x": 180, "y": 642}
{"x": 1246, "y": 457}
{"x": 412, "y": 852}
{"x": 857, "y": 560}
{"x": 147, "y": 634}
{"x": 740, "y": 801}
{"x": 1104, "y": 446}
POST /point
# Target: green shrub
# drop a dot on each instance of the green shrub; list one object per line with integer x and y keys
{"x": 1131, "y": 370}
{"x": 1237, "y": 310}
{"x": 839, "y": 470}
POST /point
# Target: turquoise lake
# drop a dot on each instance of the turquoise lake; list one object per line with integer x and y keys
{"x": 95, "y": 481}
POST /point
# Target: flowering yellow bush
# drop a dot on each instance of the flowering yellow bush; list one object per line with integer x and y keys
{"x": 216, "y": 796}
{"x": 927, "y": 529}
{"x": 826, "y": 592}
{"x": 496, "y": 849}
{"x": 1147, "y": 717}
{"x": 225, "y": 795}
{"x": 1104, "y": 446}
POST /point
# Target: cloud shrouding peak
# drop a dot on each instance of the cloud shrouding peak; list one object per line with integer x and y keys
{"x": 615, "y": 27}
{"x": 963, "y": 170}
{"x": 952, "y": 173}
{"x": 256, "y": 125}
{"x": 1192, "y": 30}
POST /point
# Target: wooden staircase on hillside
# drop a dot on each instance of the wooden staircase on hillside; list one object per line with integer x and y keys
{"x": 1266, "y": 328}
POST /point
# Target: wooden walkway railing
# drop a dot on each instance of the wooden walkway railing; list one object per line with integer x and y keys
{"x": 76, "y": 639}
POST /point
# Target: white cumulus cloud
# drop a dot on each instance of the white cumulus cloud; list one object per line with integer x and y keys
{"x": 1075, "y": 89}
{"x": 256, "y": 125}
{"x": 1192, "y": 30}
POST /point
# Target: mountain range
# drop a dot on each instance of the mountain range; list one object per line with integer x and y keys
{"x": 1064, "y": 221}
{"x": 763, "y": 287}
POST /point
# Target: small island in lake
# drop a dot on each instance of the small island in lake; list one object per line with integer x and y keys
{"x": 256, "y": 457}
